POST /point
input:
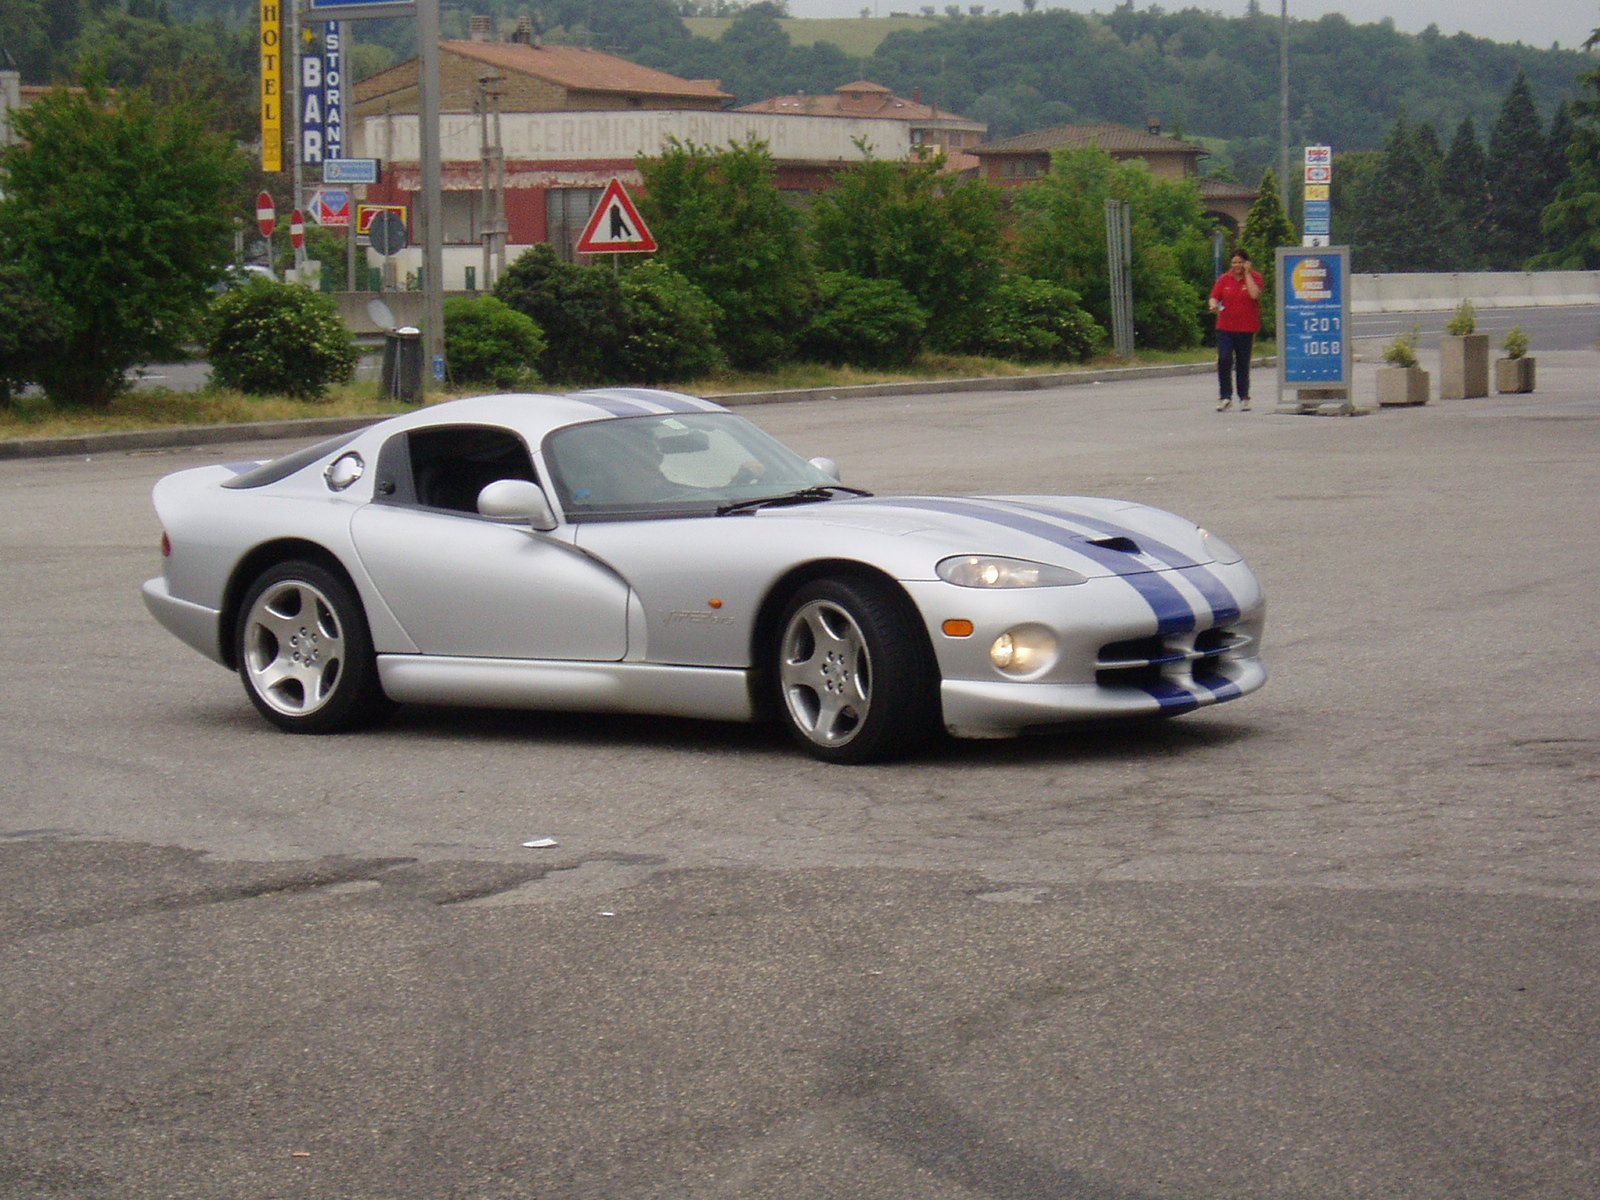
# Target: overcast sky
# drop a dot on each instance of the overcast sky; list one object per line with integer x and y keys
{"x": 1537, "y": 22}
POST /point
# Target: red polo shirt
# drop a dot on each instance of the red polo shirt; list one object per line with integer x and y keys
{"x": 1240, "y": 314}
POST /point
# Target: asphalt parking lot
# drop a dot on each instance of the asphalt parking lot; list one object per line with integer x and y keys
{"x": 1337, "y": 940}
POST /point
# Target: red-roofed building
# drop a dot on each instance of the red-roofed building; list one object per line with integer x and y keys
{"x": 932, "y": 129}
{"x": 570, "y": 120}
{"x": 1015, "y": 161}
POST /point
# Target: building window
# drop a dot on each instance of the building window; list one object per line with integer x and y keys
{"x": 567, "y": 211}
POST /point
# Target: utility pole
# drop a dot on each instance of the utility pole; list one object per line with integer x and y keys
{"x": 430, "y": 212}
{"x": 491, "y": 205}
{"x": 1283, "y": 109}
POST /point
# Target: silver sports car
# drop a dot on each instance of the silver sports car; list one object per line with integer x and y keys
{"x": 639, "y": 551}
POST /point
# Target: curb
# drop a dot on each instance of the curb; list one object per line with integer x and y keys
{"x": 202, "y": 435}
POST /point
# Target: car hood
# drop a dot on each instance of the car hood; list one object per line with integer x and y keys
{"x": 1095, "y": 537}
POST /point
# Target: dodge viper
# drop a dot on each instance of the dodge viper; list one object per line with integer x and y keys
{"x": 630, "y": 550}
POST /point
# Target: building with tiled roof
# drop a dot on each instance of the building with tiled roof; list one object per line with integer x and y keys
{"x": 537, "y": 78}
{"x": 932, "y": 129}
{"x": 531, "y": 136}
{"x": 1015, "y": 161}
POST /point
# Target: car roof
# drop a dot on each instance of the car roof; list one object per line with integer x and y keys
{"x": 536, "y": 414}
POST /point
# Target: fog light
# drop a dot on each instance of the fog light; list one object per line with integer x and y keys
{"x": 1025, "y": 650}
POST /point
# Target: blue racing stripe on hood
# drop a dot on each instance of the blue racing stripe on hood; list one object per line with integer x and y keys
{"x": 1224, "y": 604}
{"x": 1173, "y": 611}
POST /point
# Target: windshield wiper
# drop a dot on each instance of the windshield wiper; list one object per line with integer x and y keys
{"x": 808, "y": 495}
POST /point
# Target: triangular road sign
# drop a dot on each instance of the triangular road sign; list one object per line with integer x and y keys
{"x": 616, "y": 227}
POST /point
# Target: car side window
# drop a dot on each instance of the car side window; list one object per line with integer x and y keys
{"x": 445, "y": 468}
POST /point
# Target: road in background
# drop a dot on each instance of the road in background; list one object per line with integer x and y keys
{"x": 1334, "y": 941}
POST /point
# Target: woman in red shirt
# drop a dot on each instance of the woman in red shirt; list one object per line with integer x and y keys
{"x": 1236, "y": 299}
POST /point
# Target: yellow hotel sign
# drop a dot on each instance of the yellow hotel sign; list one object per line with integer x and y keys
{"x": 271, "y": 85}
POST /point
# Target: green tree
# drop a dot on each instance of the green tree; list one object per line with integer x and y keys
{"x": 1265, "y": 229}
{"x": 723, "y": 225}
{"x": 32, "y": 322}
{"x": 1465, "y": 194}
{"x": 121, "y": 209}
{"x": 936, "y": 236}
{"x": 1061, "y": 238}
{"x": 579, "y": 308}
{"x": 1571, "y": 222}
{"x": 1395, "y": 225}
{"x": 1518, "y": 181}
{"x": 670, "y": 332}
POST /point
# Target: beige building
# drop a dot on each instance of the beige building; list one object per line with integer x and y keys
{"x": 932, "y": 130}
{"x": 1015, "y": 161}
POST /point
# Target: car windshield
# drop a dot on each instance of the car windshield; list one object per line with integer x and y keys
{"x": 672, "y": 465}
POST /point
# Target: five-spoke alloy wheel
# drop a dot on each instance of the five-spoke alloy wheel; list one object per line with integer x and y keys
{"x": 853, "y": 672}
{"x": 304, "y": 652}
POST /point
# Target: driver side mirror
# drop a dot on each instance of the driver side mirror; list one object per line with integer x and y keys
{"x": 517, "y": 501}
{"x": 829, "y": 468}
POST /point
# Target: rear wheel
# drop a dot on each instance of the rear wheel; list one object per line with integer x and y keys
{"x": 304, "y": 652}
{"x": 854, "y": 675}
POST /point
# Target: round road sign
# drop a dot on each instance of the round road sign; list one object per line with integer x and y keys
{"x": 297, "y": 230}
{"x": 266, "y": 214}
{"x": 387, "y": 233}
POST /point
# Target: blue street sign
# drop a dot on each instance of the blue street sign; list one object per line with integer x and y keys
{"x": 350, "y": 170}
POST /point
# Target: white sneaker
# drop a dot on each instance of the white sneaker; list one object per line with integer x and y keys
{"x": 1244, "y": 403}
{"x": 1225, "y": 404}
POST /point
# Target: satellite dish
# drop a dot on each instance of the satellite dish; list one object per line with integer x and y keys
{"x": 381, "y": 314}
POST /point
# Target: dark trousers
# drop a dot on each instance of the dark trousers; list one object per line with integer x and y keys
{"x": 1233, "y": 362}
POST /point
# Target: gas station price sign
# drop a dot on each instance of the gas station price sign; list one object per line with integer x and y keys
{"x": 1314, "y": 317}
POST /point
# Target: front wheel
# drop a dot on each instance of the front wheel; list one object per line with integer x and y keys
{"x": 854, "y": 673}
{"x": 304, "y": 652}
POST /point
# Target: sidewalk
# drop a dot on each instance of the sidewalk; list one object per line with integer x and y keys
{"x": 1566, "y": 379}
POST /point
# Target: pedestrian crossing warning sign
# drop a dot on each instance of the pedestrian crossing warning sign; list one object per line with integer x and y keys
{"x": 616, "y": 227}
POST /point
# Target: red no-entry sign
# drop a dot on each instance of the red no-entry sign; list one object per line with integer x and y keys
{"x": 297, "y": 230}
{"x": 266, "y": 214}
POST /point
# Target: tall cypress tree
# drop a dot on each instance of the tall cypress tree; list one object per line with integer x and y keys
{"x": 1397, "y": 226}
{"x": 1518, "y": 181}
{"x": 1265, "y": 229}
{"x": 1465, "y": 195}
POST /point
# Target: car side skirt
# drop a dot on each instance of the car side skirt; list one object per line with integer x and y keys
{"x": 709, "y": 693}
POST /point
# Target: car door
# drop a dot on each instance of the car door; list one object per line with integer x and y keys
{"x": 463, "y": 585}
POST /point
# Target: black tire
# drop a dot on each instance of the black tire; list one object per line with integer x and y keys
{"x": 304, "y": 652}
{"x": 853, "y": 673}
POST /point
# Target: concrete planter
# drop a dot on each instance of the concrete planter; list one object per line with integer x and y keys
{"x": 1513, "y": 374}
{"x": 1463, "y": 366}
{"x": 1399, "y": 386}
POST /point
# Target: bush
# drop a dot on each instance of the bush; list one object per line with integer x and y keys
{"x": 271, "y": 339}
{"x": 1033, "y": 320}
{"x": 1516, "y": 343}
{"x": 865, "y": 322}
{"x": 580, "y": 310}
{"x": 486, "y": 341}
{"x": 1464, "y": 322}
{"x": 32, "y": 325}
{"x": 1402, "y": 352}
{"x": 670, "y": 327}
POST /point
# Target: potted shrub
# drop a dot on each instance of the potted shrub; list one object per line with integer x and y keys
{"x": 1463, "y": 356}
{"x": 1514, "y": 372}
{"x": 1403, "y": 381}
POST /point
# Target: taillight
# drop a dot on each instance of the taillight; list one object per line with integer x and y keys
{"x": 166, "y": 545}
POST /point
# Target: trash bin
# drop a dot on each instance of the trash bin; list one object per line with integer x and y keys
{"x": 402, "y": 365}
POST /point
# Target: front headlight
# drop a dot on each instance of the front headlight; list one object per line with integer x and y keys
{"x": 1219, "y": 549}
{"x": 1024, "y": 650}
{"x": 988, "y": 571}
